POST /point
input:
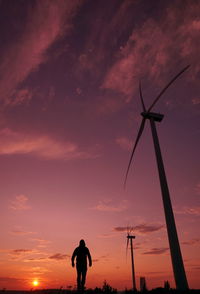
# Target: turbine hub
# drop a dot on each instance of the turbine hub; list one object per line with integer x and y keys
{"x": 155, "y": 116}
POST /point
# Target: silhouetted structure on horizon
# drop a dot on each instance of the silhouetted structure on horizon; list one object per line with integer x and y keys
{"x": 143, "y": 286}
{"x": 166, "y": 285}
{"x": 81, "y": 253}
{"x": 130, "y": 238}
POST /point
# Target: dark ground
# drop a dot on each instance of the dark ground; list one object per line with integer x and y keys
{"x": 98, "y": 291}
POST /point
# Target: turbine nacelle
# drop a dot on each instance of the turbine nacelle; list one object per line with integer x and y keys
{"x": 130, "y": 237}
{"x": 156, "y": 116}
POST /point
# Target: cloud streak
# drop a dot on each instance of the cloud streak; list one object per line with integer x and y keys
{"x": 141, "y": 228}
{"x": 21, "y": 233}
{"x": 59, "y": 256}
{"x": 18, "y": 252}
{"x": 47, "y": 22}
{"x": 156, "y": 251}
{"x": 11, "y": 280}
{"x": 20, "y": 203}
{"x": 42, "y": 146}
{"x": 109, "y": 207}
{"x": 38, "y": 270}
{"x": 28, "y": 255}
{"x": 53, "y": 257}
{"x": 42, "y": 243}
{"x": 124, "y": 143}
{"x": 193, "y": 211}
{"x": 192, "y": 242}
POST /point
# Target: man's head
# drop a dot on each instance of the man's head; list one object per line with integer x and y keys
{"x": 82, "y": 243}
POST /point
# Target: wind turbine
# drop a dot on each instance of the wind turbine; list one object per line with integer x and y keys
{"x": 176, "y": 257}
{"x": 130, "y": 238}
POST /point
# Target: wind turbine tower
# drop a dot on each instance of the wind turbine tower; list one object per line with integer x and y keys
{"x": 176, "y": 256}
{"x": 130, "y": 239}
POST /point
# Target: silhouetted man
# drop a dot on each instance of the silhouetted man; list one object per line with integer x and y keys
{"x": 81, "y": 253}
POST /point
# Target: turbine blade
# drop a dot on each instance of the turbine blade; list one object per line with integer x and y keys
{"x": 167, "y": 86}
{"x": 141, "y": 98}
{"x": 127, "y": 246}
{"x": 136, "y": 142}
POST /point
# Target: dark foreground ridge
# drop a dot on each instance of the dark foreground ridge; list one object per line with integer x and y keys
{"x": 100, "y": 291}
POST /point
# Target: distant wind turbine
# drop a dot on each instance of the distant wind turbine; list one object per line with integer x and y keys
{"x": 130, "y": 238}
{"x": 176, "y": 257}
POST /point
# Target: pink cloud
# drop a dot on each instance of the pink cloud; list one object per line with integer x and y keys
{"x": 99, "y": 37}
{"x": 124, "y": 143}
{"x": 155, "y": 50}
{"x": 138, "y": 58}
{"x": 20, "y": 203}
{"x": 196, "y": 101}
{"x": 21, "y": 96}
{"x": 110, "y": 207}
{"x": 42, "y": 243}
{"x": 38, "y": 270}
{"x": 194, "y": 211}
{"x": 107, "y": 104}
{"x": 47, "y": 21}
{"x": 21, "y": 233}
{"x": 197, "y": 189}
{"x": 38, "y": 145}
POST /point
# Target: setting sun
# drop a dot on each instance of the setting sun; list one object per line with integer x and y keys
{"x": 35, "y": 283}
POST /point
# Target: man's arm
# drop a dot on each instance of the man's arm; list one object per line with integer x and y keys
{"x": 73, "y": 257}
{"x": 89, "y": 258}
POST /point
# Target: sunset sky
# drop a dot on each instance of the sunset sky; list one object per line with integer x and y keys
{"x": 70, "y": 112}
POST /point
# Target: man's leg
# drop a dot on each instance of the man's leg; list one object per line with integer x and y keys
{"x": 84, "y": 272}
{"x": 78, "y": 279}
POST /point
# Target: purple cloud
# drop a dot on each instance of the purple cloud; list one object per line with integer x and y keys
{"x": 139, "y": 57}
{"x": 192, "y": 242}
{"x": 47, "y": 22}
{"x": 20, "y": 251}
{"x": 142, "y": 228}
{"x": 156, "y": 251}
{"x": 11, "y": 280}
{"x": 59, "y": 256}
